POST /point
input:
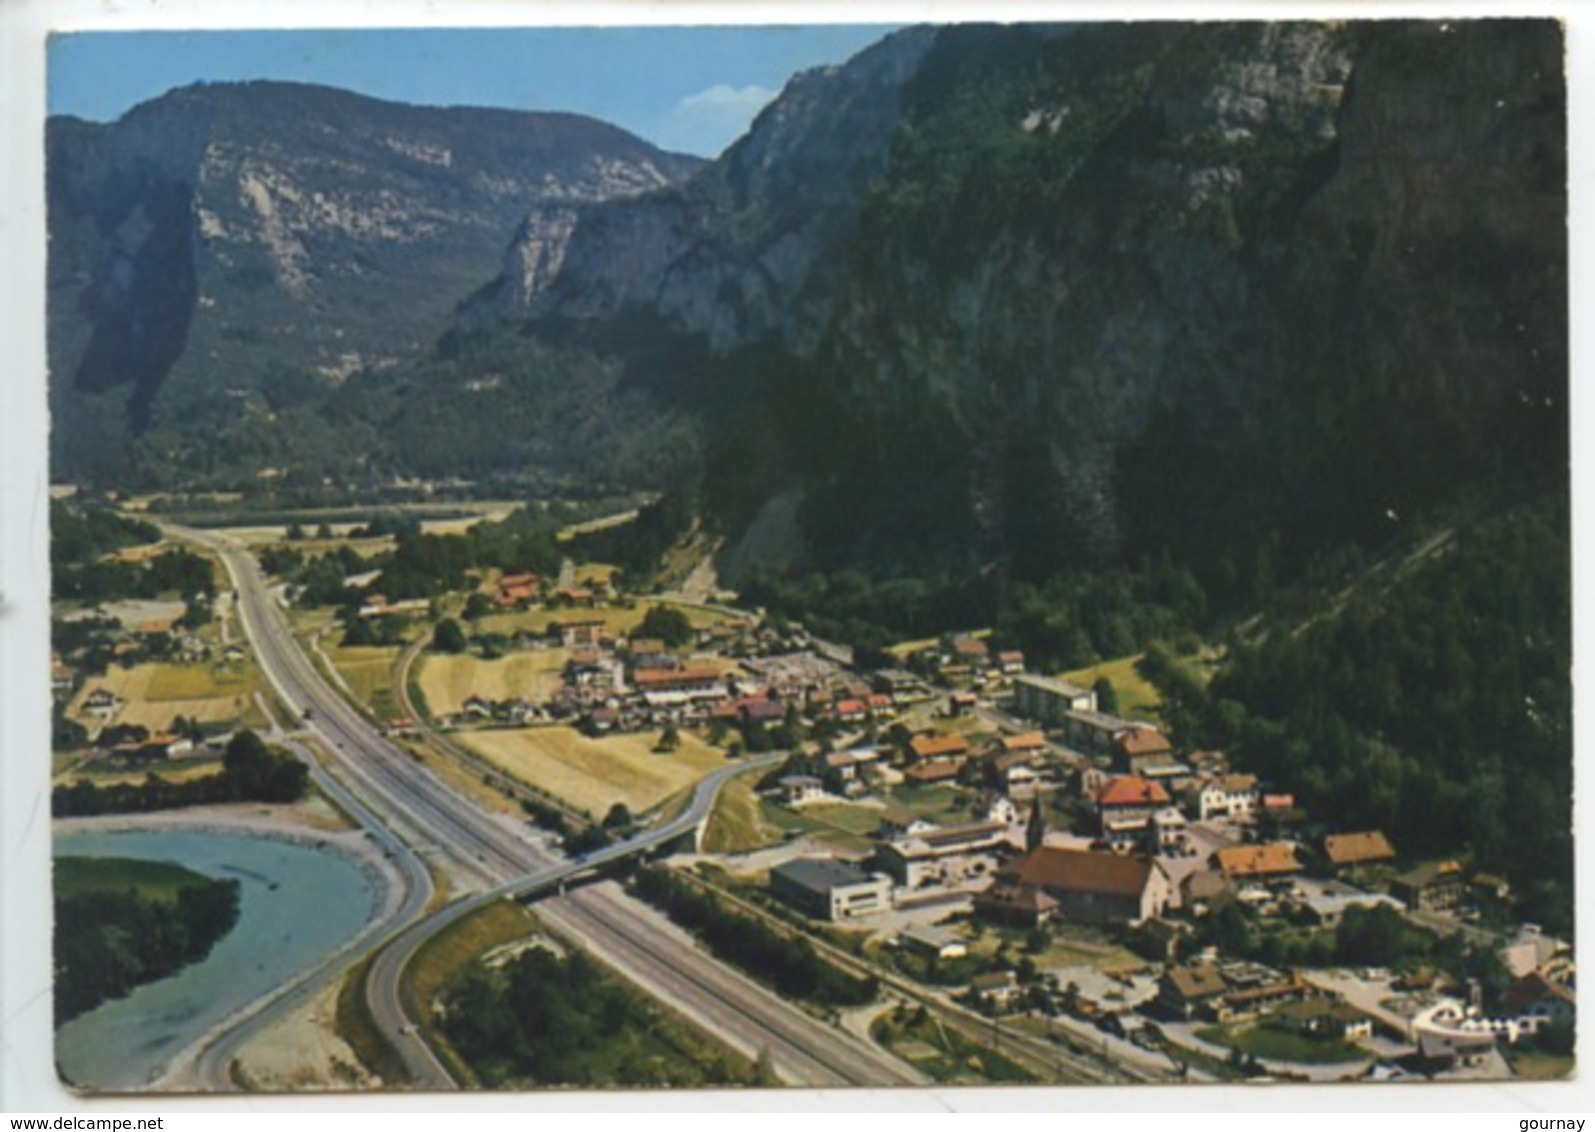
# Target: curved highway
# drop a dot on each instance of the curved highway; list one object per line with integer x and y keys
{"x": 431, "y": 818}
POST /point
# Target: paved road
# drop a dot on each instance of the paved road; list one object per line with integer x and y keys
{"x": 429, "y": 817}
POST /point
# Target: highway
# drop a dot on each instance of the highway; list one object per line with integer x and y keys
{"x": 431, "y": 819}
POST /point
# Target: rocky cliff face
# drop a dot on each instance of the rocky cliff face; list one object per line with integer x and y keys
{"x": 1183, "y": 272}
{"x": 749, "y": 246}
{"x": 227, "y": 253}
{"x": 1066, "y": 293}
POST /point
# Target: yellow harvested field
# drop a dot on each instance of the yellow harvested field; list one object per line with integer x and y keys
{"x": 177, "y": 771}
{"x": 448, "y": 681}
{"x": 594, "y": 774}
{"x": 155, "y": 693}
{"x": 199, "y": 681}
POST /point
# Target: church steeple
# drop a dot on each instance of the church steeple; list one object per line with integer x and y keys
{"x": 1036, "y": 826}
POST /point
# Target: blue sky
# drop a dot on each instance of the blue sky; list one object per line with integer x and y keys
{"x": 693, "y": 89}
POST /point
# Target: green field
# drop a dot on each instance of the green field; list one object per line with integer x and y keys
{"x": 736, "y": 824}
{"x": 154, "y": 880}
{"x": 368, "y": 670}
{"x": 1138, "y": 699}
{"x": 798, "y": 821}
{"x": 944, "y": 1054}
{"x": 944, "y": 805}
{"x": 1275, "y": 1044}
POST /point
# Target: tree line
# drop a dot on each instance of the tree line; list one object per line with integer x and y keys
{"x": 107, "y": 943}
{"x": 1435, "y": 703}
{"x": 251, "y": 772}
{"x": 789, "y": 964}
{"x": 544, "y": 1019}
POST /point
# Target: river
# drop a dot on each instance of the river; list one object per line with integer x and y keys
{"x": 297, "y": 902}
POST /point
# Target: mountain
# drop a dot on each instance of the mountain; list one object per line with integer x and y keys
{"x": 983, "y": 299}
{"x": 1031, "y": 296}
{"x": 225, "y": 257}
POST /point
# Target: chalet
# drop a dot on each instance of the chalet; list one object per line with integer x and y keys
{"x": 516, "y": 589}
{"x": 903, "y": 686}
{"x": 1205, "y": 891}
{"x": 477, "y": 707}
{"x": 1434, "y": 887}
{"x": 1017, "y": 772}
{"x": 799, "y": 788}
{"x": 1050, "y": 702}
{"x": 933, "y": 942}
{"x": 927, "y": 747}
{"x": 1130, "y": 797}
{"x": 899, "y": 821}
{"x": 581, "y": 634}
{"x": 995, "y": 990}
{"x": 645, "y": 646}
{"x": 829, "y": 890}
{"x": 933, "y": 770}
{"x": 1089, "y": 887}
{"x": 102, "y": 703}
{"x": 1136, "y": 748}
{"x": 1191, "y": 992}
{"x": 999, "y": 808}
{"x": 1348, "y": 851}
{"x": 1323, "y": 1018}
{"x": 879, "y": 705}
{"x": 850, "y": 711}
{"x": 760, "y": 709}
{"x": 1253, "y": 996}
{"x": 1227, "y": 796}
{"x": 844, "y": 763}
{"x": 574, "y": 595}
{"x": 1272, "y": 861}
{"x": 971, "y": 650}
{"x": 960, "y": 704}
{"x": 1030, "y": 742}
{"x": 1011, "y": 662}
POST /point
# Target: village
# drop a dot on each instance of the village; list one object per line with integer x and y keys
{"x": 960, "y": 797}
{"x": 992, "y": 835}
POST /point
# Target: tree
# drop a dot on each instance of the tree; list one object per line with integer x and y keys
{"x": 668, "y": 624}
{"x": 477, "y": 605}
{"x": 449, "y": 637}
{"x": 619, "y": 817}
{"x": 1107, "y": 695}
{"x": 669, "y": 739}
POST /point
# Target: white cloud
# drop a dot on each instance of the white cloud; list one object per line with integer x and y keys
{"x": 727, "y": 99}
{"x": 711, "y": 119}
